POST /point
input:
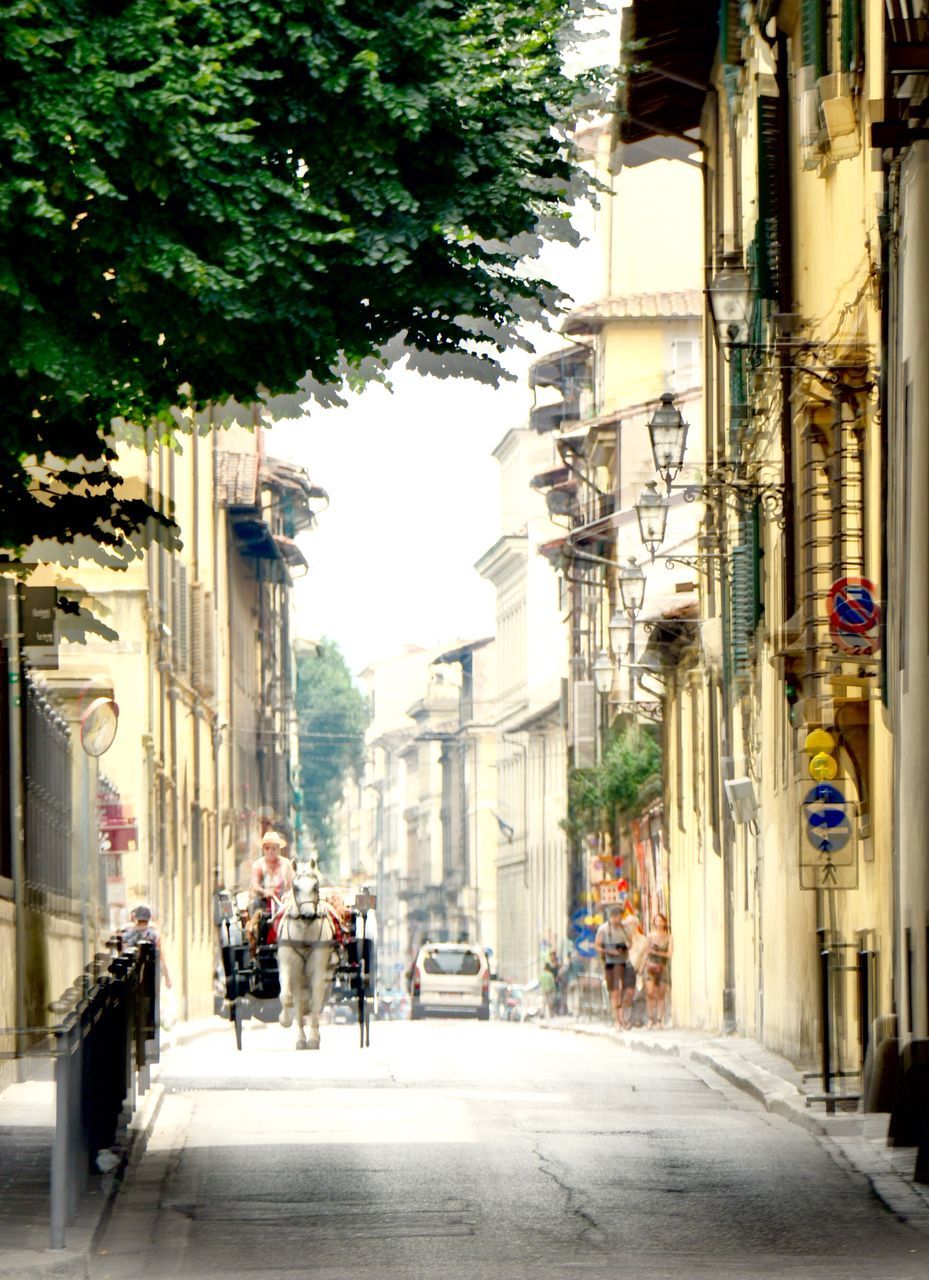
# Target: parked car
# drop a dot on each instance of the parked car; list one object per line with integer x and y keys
{"x": 450, "y": 978}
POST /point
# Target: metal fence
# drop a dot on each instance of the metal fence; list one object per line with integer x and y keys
{"x": 47, "y": 793}
{"x": 103, "y": 1048}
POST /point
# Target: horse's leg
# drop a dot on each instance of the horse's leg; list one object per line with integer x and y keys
{"x": 316, "y": 993}
{"x": 287, "y": 997}
{"x": 300, "y": 1004}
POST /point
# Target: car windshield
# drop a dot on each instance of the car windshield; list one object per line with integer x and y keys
{"x": 463, "y": 963}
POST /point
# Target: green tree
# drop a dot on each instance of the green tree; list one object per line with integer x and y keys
{"x": 332, "y": 716}
{"x": 628, "y": 776}
{"x": 208, "y": 199}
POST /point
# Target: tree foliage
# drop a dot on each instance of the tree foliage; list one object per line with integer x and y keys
{"x": 332, "y": 716}
{"x": 200, "y": 199}
{"x": 628, "y": 775}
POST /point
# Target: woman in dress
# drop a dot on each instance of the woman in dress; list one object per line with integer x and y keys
{"x": 656, "y": 971}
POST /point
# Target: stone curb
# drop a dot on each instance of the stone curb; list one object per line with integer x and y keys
{"x": 74, "y": 1262}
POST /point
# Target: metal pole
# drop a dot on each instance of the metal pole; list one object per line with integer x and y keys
{"x": 17, "y": 807}
{"x": 825, "y": 1010}
{"x": 864, "y": 999}
{"x": 61, "y": 1190}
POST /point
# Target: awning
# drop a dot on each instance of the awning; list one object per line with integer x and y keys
{"x": 553, "y": 551}
{"x": 546, "y": 479}
{"x": 463, "y": 650}
{"x": 561, "y": 499}
{"x": 551, "y": 417}
{"x": 671, "y": 632}
{"x": 555, "y": 370}
{"x": 669, "y": 47}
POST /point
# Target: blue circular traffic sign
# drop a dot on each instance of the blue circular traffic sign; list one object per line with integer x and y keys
{"x": 852, "y": 606}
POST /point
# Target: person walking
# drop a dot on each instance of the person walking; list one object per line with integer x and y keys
{"x": 141, "y": 929}
{"x": 611, "y": 942}
{"x": 660, "y": 947}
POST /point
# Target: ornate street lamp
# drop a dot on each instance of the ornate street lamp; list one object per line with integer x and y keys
{"x": 652, "y": 513}
{"x": 632, "y": 587}
{"x": 668, "y": 434}
{"x": 603, "y": 673}
{"x": 730, "y": 299}
{"x": 619, "y": 632}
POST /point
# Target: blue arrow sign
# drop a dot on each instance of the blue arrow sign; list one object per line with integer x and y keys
{"x": 584, "y": 944}
{"x": 829, "y": 826}
{"x": 826, "y": 817}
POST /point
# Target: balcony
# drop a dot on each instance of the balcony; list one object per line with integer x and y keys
{"x": 552, "y": 417}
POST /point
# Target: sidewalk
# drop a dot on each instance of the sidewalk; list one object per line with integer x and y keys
{"x": 857, "y": 1142}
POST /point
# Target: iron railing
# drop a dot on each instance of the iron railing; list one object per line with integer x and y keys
{"x": 103, "y": 1048}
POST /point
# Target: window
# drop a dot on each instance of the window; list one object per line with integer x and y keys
{"x": 453, "y": 963}
{"x": 685, "y": 354}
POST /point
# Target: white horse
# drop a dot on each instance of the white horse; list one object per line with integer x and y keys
{"x": 307, "y": 954}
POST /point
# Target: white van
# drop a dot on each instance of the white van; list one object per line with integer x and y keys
{"x": 450, "y": 978}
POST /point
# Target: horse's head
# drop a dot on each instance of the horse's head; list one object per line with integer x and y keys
{"x": 305, "y": 892}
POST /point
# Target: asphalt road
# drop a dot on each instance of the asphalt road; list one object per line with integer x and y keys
{"x": 465, "y": 1151}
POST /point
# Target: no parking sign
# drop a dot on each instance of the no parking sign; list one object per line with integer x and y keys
{"x": 855, "y": 615}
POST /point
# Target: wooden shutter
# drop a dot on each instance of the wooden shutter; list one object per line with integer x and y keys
{"x": 813, "y": 27}
{"x": 209, "y": 643}
{"x": 770, "y": 231}
{"x": 584, "y": 724}
{"x": 196, "y": 635}
{"x": 738, "y": 398}
{"x": 742, "y": 604}
{"x": 730, "y": 32}
{"x": 740, "y": 612}
{"x": 181, "y": 620}
{"x": 850, "y": 36}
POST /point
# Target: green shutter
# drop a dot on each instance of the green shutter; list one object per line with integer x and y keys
{"x": 814, "y": 36}
{"x": 760, "y": 290}
{"x": 750, "y": 539}
{"x": 770, "y": 160}
{"x": 730, "y": 32}
{"x": 738, "y": 397}
{"x": 850, "y": 37}
{"x": 740, "y": 599}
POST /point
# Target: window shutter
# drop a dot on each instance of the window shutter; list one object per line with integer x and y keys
{"x": 740, "y": 612}
{"x": 181, "y": 630}
{"x": 584, "y": 724}
{"x": 850, "y": 35}
{"x": 730, "y": 32}
{"x": 196, "y": 635}
{"x": 209, "y": 644}
{"x": 769, "y": 232}
{"x": 738, "y": 398}
{"x": 814, "y": 36}
{"x": 742, "y": 606}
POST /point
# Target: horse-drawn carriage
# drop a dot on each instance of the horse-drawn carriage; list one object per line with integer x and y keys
{"x": 314, "y": 946}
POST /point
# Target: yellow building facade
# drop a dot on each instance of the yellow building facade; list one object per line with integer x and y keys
{"x": 790, "y": 641}
{"x": 195, "y": 654}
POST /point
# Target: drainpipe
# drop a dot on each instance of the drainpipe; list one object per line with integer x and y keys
{"x": 17, "y": 832}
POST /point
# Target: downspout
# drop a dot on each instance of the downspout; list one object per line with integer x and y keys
{"x": 17, "y": 814}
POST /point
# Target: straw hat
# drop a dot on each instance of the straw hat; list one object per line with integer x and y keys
{"x": 271, "y": 837}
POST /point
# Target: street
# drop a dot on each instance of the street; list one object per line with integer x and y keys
{"x": 456, "y": 1149}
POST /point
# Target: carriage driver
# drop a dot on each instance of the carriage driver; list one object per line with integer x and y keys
{"x": 272, "y": 876}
